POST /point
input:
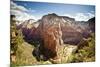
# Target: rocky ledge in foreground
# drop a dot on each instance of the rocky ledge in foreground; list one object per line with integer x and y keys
{"x": 65, "y": 52}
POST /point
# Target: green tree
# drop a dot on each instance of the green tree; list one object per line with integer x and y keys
{"x": 16, "y": 35}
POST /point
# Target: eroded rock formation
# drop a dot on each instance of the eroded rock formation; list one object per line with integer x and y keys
{"x": 52, "y": 36}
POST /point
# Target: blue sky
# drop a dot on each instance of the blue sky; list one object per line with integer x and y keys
{"x": 36, "y": 10}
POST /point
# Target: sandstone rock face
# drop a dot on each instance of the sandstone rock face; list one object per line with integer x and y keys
{"x": 52, "y": 36}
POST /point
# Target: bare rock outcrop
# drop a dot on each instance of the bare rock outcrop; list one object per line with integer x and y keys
{"x": 52, "y": 35}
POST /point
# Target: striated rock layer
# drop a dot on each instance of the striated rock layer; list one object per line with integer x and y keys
{"x": 52, "y": 35}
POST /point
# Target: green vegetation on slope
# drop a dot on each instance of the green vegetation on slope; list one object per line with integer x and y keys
{"x": 86, "y": 53}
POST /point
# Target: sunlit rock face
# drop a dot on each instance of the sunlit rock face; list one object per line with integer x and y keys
{"x": 51, "y": 34}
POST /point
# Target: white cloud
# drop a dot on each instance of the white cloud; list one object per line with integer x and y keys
{"x": 20, "y": 12}
{"x": 92, "y": 11}
{"x": 91, "y": 15}
{"x": 69, "y": 15}
{"x": 21, "y": 16}
{"x": 81, "y": 16}
{"x": 14, "y": 6}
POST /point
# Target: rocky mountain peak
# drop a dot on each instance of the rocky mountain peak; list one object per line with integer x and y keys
{"x": 51, "y": 34}
{"x": 51, "y": 15}
{"x": 52, "y": 20}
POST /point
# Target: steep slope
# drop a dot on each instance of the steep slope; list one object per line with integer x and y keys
{"x": 92, "y": 24}
{"x": 28, "y": 28}
{"x": 24, "y": 55}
